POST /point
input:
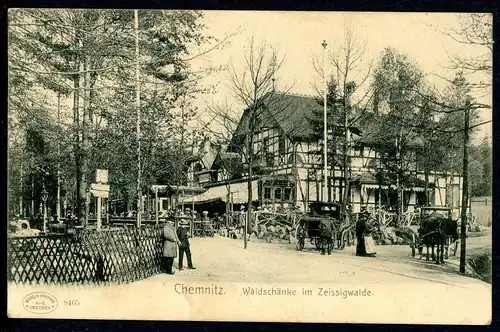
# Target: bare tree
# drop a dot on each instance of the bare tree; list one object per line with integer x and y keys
{"x": 475, "y": 30}
{"x": 222, "y": 124}
{"x": 253, "y": 86}
{"x": 350, "y": 95}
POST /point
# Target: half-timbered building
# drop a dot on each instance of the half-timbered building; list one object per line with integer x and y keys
{"x": 287, "y": 164}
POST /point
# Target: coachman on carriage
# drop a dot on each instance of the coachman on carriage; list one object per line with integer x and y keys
{"x": 323, "y": 228}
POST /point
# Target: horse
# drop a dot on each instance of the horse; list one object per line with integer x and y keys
{"x": 449, "y": 228}
{"x": 439, "y": 232}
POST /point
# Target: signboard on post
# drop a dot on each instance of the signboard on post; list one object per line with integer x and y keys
{"x": 99, "y": 187}
{"x": 100, "y": 193}
{"x": 100, "y": 190}
{"x": 101, "y": 176}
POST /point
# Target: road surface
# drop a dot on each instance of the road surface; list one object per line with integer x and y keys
{"x": 403, "y": 289}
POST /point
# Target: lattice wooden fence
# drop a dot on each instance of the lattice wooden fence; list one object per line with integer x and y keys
{"x": 273, "y": 218}
{"x": 113, "y": 255}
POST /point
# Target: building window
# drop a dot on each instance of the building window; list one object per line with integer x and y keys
{"x": 265, "y": 145}
{"x": 456, "y": 196}
{"x": 282, "y": 145}
{"x": 270, "y": 159}
{"x": 277, "y": 193}
{"x": 267, "y": 193}
{"x": 214, "y": 176}
{"x": 288, "y": 194}
{"x": 197, "y": 168}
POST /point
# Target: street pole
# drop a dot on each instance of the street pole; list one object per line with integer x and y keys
{"x": 45, "y": 217}
{"x": 32, "y": 195}
{"x": 87, "y": 207}
{"x": 325, "y": 132}
{"x": 138, "y": 107}
{"x": 465, "y": 190}
{"x": 21, "y": 212}
{"x": 58, "y": 200}
{"x": 99, "y": 221}
{"x": 44, "y": 197}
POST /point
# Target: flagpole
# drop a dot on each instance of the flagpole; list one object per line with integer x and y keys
{"x": 325, "y": 132}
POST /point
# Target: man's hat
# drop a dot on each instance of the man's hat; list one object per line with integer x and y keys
{"x": 184, "y": 223}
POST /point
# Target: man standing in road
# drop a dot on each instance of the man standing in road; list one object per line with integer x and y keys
{"x": 327, "y": 231}
{"x": 169, "y": 246}
{"x": 184, "y": 245}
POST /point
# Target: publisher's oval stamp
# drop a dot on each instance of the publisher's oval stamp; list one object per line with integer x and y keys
{"x": 40, "y": 303}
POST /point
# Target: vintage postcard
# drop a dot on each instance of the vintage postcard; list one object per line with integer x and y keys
{"x": 326, "y": 167}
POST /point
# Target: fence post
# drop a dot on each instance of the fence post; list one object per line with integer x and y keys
{"x": 99, "y": 221}
{"x": 156, "y": 205}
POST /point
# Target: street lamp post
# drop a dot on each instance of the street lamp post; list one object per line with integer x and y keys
{"x": 45, "y": 195}
{"x": 325, "y": 132}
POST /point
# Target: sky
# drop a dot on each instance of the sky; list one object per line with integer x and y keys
{"x": 299, "y": 35}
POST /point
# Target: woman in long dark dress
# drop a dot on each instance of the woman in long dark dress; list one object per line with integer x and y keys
{"x": 360, "y": 232}
{"x": 363, "y": 235}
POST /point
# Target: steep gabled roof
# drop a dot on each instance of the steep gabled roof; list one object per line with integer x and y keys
{"x": 295, "y": 115}
{"x": 292, "y": 113}
{"x": 372, "y": 132}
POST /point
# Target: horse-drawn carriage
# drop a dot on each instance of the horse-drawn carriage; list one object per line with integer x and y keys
{"x": 436, "y": 228}
{"x": 309, "y": 226}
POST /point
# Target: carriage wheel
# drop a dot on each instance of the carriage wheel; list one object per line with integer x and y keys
{"x": 300, "y": 243}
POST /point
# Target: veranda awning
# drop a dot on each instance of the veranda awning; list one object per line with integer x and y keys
{"x": 187, "y": 189}
{"x": 239, "y": 193}
{"x": 376, "y": 186}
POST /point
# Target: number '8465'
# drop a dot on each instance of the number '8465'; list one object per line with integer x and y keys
{"x": 71, "y": 302}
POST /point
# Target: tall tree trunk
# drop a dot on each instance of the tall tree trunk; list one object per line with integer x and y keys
{"x": 345, "y": 165}
{"x": 21, "y": 196}
{"x": 426, "y": 177}
{"x": 399, "y": 178}
{"x": 297, "y": 179}
{"x": 426, "y": 186}
{"x": 84, "y": 144}
{"x": 32, "y": 194}
{"x": 248, "y": 224}
{"x": 228, "y": 203}
{"x": 76, "y": 144}
{"x": 465, "y": 192}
